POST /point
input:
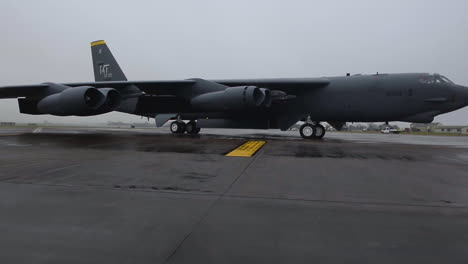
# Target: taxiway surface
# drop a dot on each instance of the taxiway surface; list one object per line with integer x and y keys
{"x": 70, "y": 195}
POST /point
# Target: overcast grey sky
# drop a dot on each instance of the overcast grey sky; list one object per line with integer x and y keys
{"x": 48, "y": 40}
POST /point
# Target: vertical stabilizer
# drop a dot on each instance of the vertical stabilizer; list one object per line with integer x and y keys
{"x": 105, "y": 66}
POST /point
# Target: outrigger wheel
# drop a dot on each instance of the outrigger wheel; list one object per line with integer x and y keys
{"x": 178, "y": 127}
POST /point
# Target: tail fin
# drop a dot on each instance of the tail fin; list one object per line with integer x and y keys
{"x": 105, "y": 66}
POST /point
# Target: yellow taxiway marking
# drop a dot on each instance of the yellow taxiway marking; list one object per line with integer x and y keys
{"x": 248, "y": 149}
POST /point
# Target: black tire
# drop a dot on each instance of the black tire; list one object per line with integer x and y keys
{"x": 181, "y": 128}
{"x": 191, "y": 127}
{"x": 307, "y": 131}
{"x": 319, "y": 131}
{"x": 177, "y": 127}
{"x": 174, "y": 127}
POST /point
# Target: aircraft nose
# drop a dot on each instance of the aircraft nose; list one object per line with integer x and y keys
{"x": 463, "y": 91}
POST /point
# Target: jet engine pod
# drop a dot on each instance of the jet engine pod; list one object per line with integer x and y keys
{"x": 112, "y": 101}
{"x": 233, "y": 98}
{"x": 72, "y": 101}
{"x": 267, "y": 100}
{"x": 251, "y": 96}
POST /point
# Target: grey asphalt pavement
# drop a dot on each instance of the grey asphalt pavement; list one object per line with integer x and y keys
{"x": 85, "y": 195}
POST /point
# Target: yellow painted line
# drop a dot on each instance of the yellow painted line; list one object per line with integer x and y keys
{"x": 248, "y": 149}
{"x": 99, "y": 42}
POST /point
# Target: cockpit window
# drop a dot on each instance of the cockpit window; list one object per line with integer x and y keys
{"x": 435, "y": 78}
{"x": 445, "y": 79}
{"x": 427, "y": 79}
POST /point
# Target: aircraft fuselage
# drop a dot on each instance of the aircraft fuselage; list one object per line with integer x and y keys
{"x": 384, "y": 97}
{"x": 410, "y": 97}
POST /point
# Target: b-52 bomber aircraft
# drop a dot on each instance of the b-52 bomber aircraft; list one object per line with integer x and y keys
{"x": 245, "y": 103}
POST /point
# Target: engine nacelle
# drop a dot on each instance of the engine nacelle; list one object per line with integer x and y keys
{"x": 72, "y": 101}
{"x": 233, "y": 98}
{"x": 267, "y": 101}
{"x": 112, "y": 101}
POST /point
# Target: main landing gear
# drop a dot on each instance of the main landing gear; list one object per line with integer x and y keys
{"x": 311, "y": 130}
{"x": 180, "y": 127}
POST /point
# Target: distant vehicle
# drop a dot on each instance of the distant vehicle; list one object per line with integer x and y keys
{"x": 389, "y": 130}
{"x": 245, "y": 103}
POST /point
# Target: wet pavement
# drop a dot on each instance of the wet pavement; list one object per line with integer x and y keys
{"x": 85, "y": 195}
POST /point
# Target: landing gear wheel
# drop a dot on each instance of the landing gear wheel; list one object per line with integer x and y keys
{"x": 178, "y": 127}
{"x": 191, "y": 127}
{"x": 319, "y": 131}
{"x": 307, "y": 131}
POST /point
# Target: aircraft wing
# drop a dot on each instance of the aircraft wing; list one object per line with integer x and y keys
{"x": 289, "y": 85}
{"x": 21, "y": 90}
{"x": 150, "y": 87}
{"x": 169, "y": 87}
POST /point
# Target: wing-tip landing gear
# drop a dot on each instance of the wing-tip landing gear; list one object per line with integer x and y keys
{"x": 311, "y": 130}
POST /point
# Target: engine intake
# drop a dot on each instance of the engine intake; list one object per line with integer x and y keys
{"x": 112, "y": 101}
{"x": 233, "y": 98}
